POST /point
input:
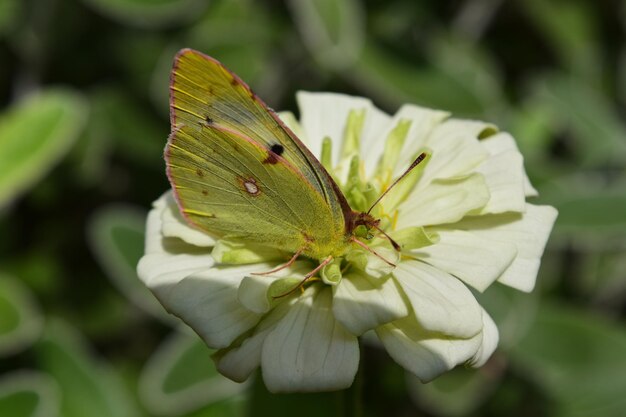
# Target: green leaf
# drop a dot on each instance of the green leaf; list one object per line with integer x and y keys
{"x": 327, "y": 404}
{"x": 116, "y": 237}
{"x": 578, "y": 359}
{"x": 586, "y": 114}
{"x": 34, "y": 135}
{"x": 20, "y": 319}
{"x": 8, "y": 15}
{"x": 333, "y": 30}
{"x": 149, "y": 14}
{"x": 455, "y": 393}
{"x": 28, "y": 394}
{"x": 588, "y": 209}
{"x": 180, "y": 377}
{"x": 396, "y": 82}
{"x": 131, "y": 129}
{"x": 88, "y": 387}
{"x": 569, "y": 28}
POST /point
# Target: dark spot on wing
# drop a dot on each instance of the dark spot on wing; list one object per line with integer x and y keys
{"x": 277, "y": 148}
{"x": 273, "y": 153}
{"x": 205, "y": 192}
{"x": 234, "y": 81}
{"x": 209, "y": 120}
{"x": 199, "y": 172}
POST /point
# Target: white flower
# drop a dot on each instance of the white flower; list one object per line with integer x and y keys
{"x": 461, "y": 217}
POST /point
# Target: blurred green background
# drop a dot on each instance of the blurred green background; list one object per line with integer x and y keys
{"x": 83, "y": 121}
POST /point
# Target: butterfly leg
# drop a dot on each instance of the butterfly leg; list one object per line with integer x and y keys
{"x": 280, "y": 268}
{"x": 367, "y": 248}
{"x": 307, "y": 277}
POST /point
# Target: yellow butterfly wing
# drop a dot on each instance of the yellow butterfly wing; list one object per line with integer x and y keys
{"x": 238, "y": 172}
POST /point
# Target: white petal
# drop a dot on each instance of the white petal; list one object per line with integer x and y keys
{"x": 489, "y": 341}
{"x": 326, "y": 114}
{"x": 309, "y": 350}
{"x": 443, "y": 201}
{"x": 425, "y": 354}
{"x": 174, "y": 225}
{"x": 254, "y": 291}
{"x": 423, "y": 121}
{"x": 456, "y": 149}
{"x": 504, "y": 174}
{"x": 238, "y": 362}
{"x": 528, "y": 231}
{"x": 207, "y": 301}
{"x": 168, "y": 260}
{"x": 362, "y": 303}
{"x": 502, "y": 142}
{"x": 475, "y": 260}
{"x": 441, "y": 303}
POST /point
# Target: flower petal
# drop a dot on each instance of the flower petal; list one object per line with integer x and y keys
{"x": 475, "y": 260}
{"x": 239, "y": 361}
{"x": 443, "y": 201}
{"x": 326, "y": 114}
{"x": 309, "y": 350}
{"x": 489, "y": 342}
{"x": 423, "y": 353}
{"x": 168, "y": 260}
{"x": 422, "y": 120}
{"x": 528, "y": 231}
{"x": 441, "y": 303}
{"x": 502, "y": 142}
{"x": 362, "y": 303}
{"x": 456, "y": 149}
{"x": 174, "y": 224}
{"x": 504, "y": 174}
{"x": 207, "y": 301}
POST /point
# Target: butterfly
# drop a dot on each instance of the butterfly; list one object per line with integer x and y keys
{"x": 238, "y": 172}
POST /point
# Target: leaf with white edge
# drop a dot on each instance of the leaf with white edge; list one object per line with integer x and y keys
{"x": 333, "y": 30}
{"x": 440, "y": 302}
{"x": 475, "y": 260}
{"x": 180, "y": 378}
{"x": 577, "y": 358}
{"x": 149, "y": 14}
{"x": 116, "y": 237}
{"x": 425, "y": 354}
{"x": 89, "y": 388}
{"x": 309, "y": 350}
{"x": 21, "y": 321}
{"x": 443, "y": 201}
{"x": 34, "y": 135}
{"x": 528, "y": 231}
{"x": 362, "y": 303}
{"x": 28, "y": 394}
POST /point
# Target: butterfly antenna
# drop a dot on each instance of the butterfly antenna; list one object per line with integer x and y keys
{"x": 370, "y": 250}
{"x": 415, "y": 163}
{"x": 393, "y": 242}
